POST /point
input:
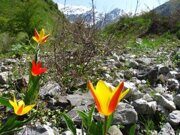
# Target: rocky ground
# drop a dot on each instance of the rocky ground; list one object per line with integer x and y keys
{"x": 154, "y": 96}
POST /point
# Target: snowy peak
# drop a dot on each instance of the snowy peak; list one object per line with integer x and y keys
{"x": 73, "y": 13}
{"x": 72, "y": 9}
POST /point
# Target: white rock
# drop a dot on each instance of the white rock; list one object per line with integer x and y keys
{"x": 174, "y": 118}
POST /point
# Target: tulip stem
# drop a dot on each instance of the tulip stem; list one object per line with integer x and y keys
{"x": 37, "y": 53}
{"x": 105, "y": 124}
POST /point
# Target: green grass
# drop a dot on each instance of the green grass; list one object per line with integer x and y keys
{"x": 23, "y": 16}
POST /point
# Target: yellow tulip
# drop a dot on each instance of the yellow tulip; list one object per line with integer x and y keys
{"x": 40, "y": 38}
{"x": 107, "y": 97}
{"x": 19, "y": 107}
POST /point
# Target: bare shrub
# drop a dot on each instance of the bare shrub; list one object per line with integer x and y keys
{"x": 72, "y": 50}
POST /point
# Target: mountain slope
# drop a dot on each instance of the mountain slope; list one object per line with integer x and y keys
{"x": 25, "y": 15}
{"x": 161, "y": 20}
{"x": 168, "y": 8}
{"x": 102, "y": 19}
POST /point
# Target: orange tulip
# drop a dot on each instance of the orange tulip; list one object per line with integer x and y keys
{"x": 19, "y": 107}
{"x": 107, "y": 97}
{"x": 37, "y": 69}
{"x": 40, "y": 38}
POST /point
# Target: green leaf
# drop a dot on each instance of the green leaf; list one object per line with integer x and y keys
{"x": 13, "y": 125}
{"x": 132, "y": 130}
{"x": 91, "y": 115}
{"x": 69, "y": 122}
{"x": 84, "y": 118}
{"x": 96, "y": 128}
{"x": 10, "y": 131}
{"x": 33, "y": 89}
{"x": 5, "y": 102}
{"x": 109, "y": 121}
{"x": 8, "y": 124}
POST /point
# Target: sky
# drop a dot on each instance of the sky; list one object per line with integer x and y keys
{"x": 108, "y": 5}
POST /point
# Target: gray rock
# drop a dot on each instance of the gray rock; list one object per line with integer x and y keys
{"x": 173, "y": 84}
{"x": 62, "y": 101}
{"x": 132, "y": 64}
{"x": 174, "y": 118}
{"x": 125, "y": 114}
{"x": 147, "y": 97}
{"x": 166, "y": 130}
{"x": 74, "y": 115}
{"x": 118, "y": 64}
{"x": 143, "y": 82}
{"x": 80, "y": 99}
{"x": 177, "y": 101}
{"x": 3, "y": 68}
{"x": 145, "y": 61}
{"x": 129, "y": 85}
{"x": 115, "y": 56}
{"x": 144, "y": 107}
{"x": 160, "y": 89}
{"x": 119, "y": 75}
{"x": 161, "y": 100}
{"x": 178, "y": 76}
{"x": 38, "y": 130}
{"x": 128, "y": 74}
{"x": 150, "y": 75}
{"x": 10, "y": 61}
{"x": 114, "y": 130}
{"x": 4, "y": 77}
{"x": 172, "y": 74}
{"x": 20, "y": 84}
{"x": 122, "y": 58}
{"x": 51, "y": 89}
{"x": 163, "y": 69}
{"x": 133, "y": 93}
{"x": 153, "y": 132}
{"x": 78, "y": 132}
{"x": 162, "y": 79}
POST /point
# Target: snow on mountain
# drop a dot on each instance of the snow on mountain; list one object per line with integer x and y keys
{"x": 73, "y": 13}
{"x": 73, "y": 9}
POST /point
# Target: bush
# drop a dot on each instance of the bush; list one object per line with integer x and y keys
{"x": 5, "y": 42}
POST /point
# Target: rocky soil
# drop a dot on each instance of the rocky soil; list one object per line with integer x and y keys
{"x": 154, "y": 96}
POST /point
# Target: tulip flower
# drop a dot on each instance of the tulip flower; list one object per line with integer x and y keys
{"x": 40, "y": 38}
{"x": 107, "y": 97}
{"x": 37, "y": 69}
{"x": 19, "y": 107}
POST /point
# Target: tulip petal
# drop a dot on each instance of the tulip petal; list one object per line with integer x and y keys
{"x": 43, "y": 70}
{"x": 38, "y": 65}
{"x": 20, "y": 109}
{"x": 36, "y": 34}
{"x": 102, "y": 86}
{"x": 115, "y": 98}
{"x": 44, "y": 38}
{"x": 42, "y": 33}
{"x": 27, "y": 109}
{"x": 123, "y": 94}
{"x": 91, "y": 88}
{"x": 21, "y": 103}
{"x": 14, "y": 104}
{"x": 35, "y": 39}
{"x": 37, "y": 69}
{"x": 103, "y": 92}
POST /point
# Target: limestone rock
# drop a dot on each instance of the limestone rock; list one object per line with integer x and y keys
{"x": 164, "y": 102}
{"x": 125, "y": 114}
{"x": 144, "y": 107}
{"x": 174, "y": 118}
{"x": 51, "y": 89}
{"x": 167, "y": 130}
